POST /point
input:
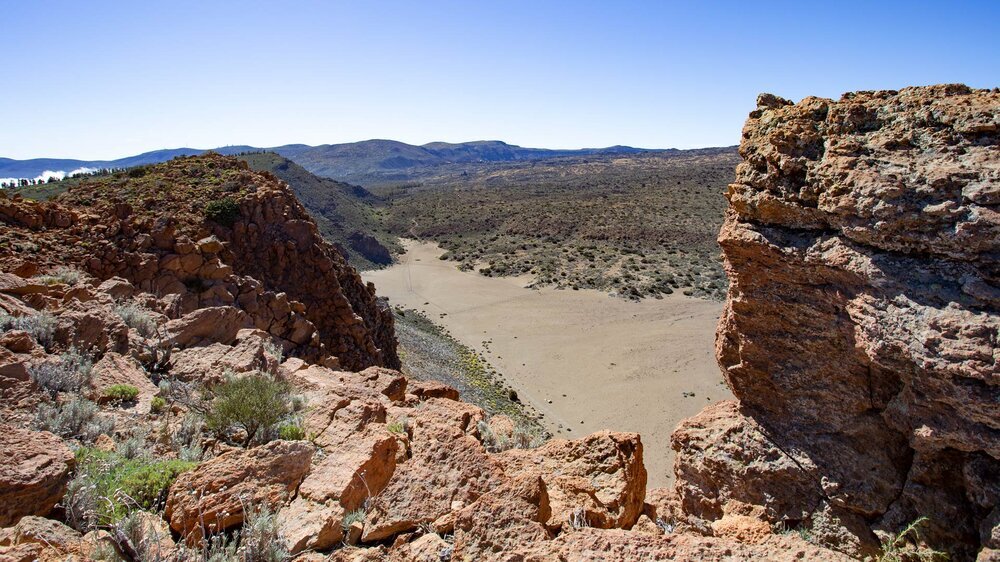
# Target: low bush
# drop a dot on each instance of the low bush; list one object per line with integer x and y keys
{"x": 138, "y": 318}
{"x": 108, "y": 486}
{"x": 41, "y": 326}
{"x": 76, "y": 419}
{"x": 121, "y": 393}
{"x": 291, "y": 431}
{"x": 62, "y": 275}
{"x": 157, "y": 405}
{"x": 223, "y": 211}
{"x": 69, "y": 374}
{"x": 252, "y": 403}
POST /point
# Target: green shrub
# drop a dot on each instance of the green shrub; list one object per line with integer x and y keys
{"x": 108, "y": 486}
{"x": 121, "y": 393}
{"x": 223, "y": 211}
{"x": 76, "y": 419}
{"x": 291, "y": 431}
{"x": 253, "y": 403}
{"x": 158, "y": 405}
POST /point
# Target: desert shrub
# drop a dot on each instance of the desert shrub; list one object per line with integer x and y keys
{"x": 142, "y": 536}
{"x": 291, "y": 431}
{"x": 251, "y": 403}
{"x": 260, "y": 539}
{"x": 121, "y": 393}
{"x": 352, "y": 517}
{"x": 137, "y": 317}
{"x": 519, "y": 439}
{"x": 107, "y": 486}
{"x": 70, "y": 374}
{"x": 223, "y": 211}
{"x": 134, "y": 446}
{"x": 77, "y": 418}
{"x": 62, "y": 275}
{"x": 399, "y": 426}
{"x": 41, "y": 326}
{"x": 905, "y": 546}
{"x": 157, "y": 405}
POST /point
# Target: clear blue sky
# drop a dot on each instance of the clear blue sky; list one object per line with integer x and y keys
{"x": 103, "y": 79}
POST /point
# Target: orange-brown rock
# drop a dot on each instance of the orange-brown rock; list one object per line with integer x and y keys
{"x": 447, "y": 470}
{"x": 115, "y": 369}
{"x": 509, "y": 520}
{"x": 860, "y": 331}
{"x": 212, "y": 497}
{"x": 34, "y": 469}
{"x": 597, "y": 481}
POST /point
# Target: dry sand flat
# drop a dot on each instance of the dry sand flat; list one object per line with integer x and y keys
{"x": 605, "y": 362}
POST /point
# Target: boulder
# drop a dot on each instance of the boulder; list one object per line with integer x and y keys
{"x": 447, "y": 470}
{"x": 508, "y": 519}
{"x": 218, "y": 324}
{"x": 597, "y": 481}
{"x": 114, "y": 369}
{"x": 35, "y": 467}
{"x": 212, "y": 497}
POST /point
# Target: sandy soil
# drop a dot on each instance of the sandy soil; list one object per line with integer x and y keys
{"x": 585, "y": 360}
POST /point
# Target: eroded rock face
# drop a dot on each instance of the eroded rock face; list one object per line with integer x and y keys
{"x": 860, "y": 334}
{"x": 34, "y": 469}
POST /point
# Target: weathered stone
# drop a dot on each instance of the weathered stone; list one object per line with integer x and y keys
{"x": 34, "y": 469}
{"x": 207, "y": 325}
{"x": 597, "y": 481}
{"x": 213, "y": 496}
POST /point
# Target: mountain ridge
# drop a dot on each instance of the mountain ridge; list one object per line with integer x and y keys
{"x": 338, "y": 161}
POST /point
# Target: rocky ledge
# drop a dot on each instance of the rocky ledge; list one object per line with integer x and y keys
{"x": 860, "y": 334}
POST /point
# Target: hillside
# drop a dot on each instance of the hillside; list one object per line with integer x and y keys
{"x": 345, "y": 214}
{"x": 637, "y": 225}
{"x": 364, "y": 162}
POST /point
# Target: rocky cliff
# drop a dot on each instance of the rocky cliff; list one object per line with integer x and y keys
{"x": 860, "y": 334}
{"x": 206, "y": 231}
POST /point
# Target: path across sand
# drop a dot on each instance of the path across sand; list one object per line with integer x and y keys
{"x": 603, "y": 361}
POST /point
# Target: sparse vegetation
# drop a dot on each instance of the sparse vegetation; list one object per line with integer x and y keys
{"x": 432, "y": 354}
{"x": 41, "y": 326}
{"x": 69, "y": 374}
{"x": 906, "y": 546}
{"x": 137, "y": 317}
{"x": 77, "y": 418}
{"x": 60, "y": 276}
{"x": 520, "y": 438}
{"x": 637, "y": 226}
{"x": 157, "y": 405}
{"x": 108, "y": 486}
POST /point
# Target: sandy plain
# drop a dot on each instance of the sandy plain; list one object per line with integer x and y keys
{"x": 587, "y": 361}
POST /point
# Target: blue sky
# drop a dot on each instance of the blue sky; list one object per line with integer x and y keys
{"x": 103, "y": 79}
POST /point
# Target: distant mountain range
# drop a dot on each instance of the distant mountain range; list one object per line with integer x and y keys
{"x": 382, "y": 160}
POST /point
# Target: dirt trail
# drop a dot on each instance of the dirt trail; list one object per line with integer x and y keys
{"x": 605, "y": 362}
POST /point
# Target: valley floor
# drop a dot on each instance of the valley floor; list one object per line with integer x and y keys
{"x": 585, "y": 360}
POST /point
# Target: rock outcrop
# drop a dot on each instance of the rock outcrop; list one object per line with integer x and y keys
{"x": 860, "y": 335}
{"x": 34, "y": 469}
{"x": 261, "y": 255}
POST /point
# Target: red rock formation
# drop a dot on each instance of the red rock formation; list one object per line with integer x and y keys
{"x": 860, "y": 334}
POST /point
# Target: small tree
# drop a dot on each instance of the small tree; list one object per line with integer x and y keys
{"x": 252, "y": 403}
